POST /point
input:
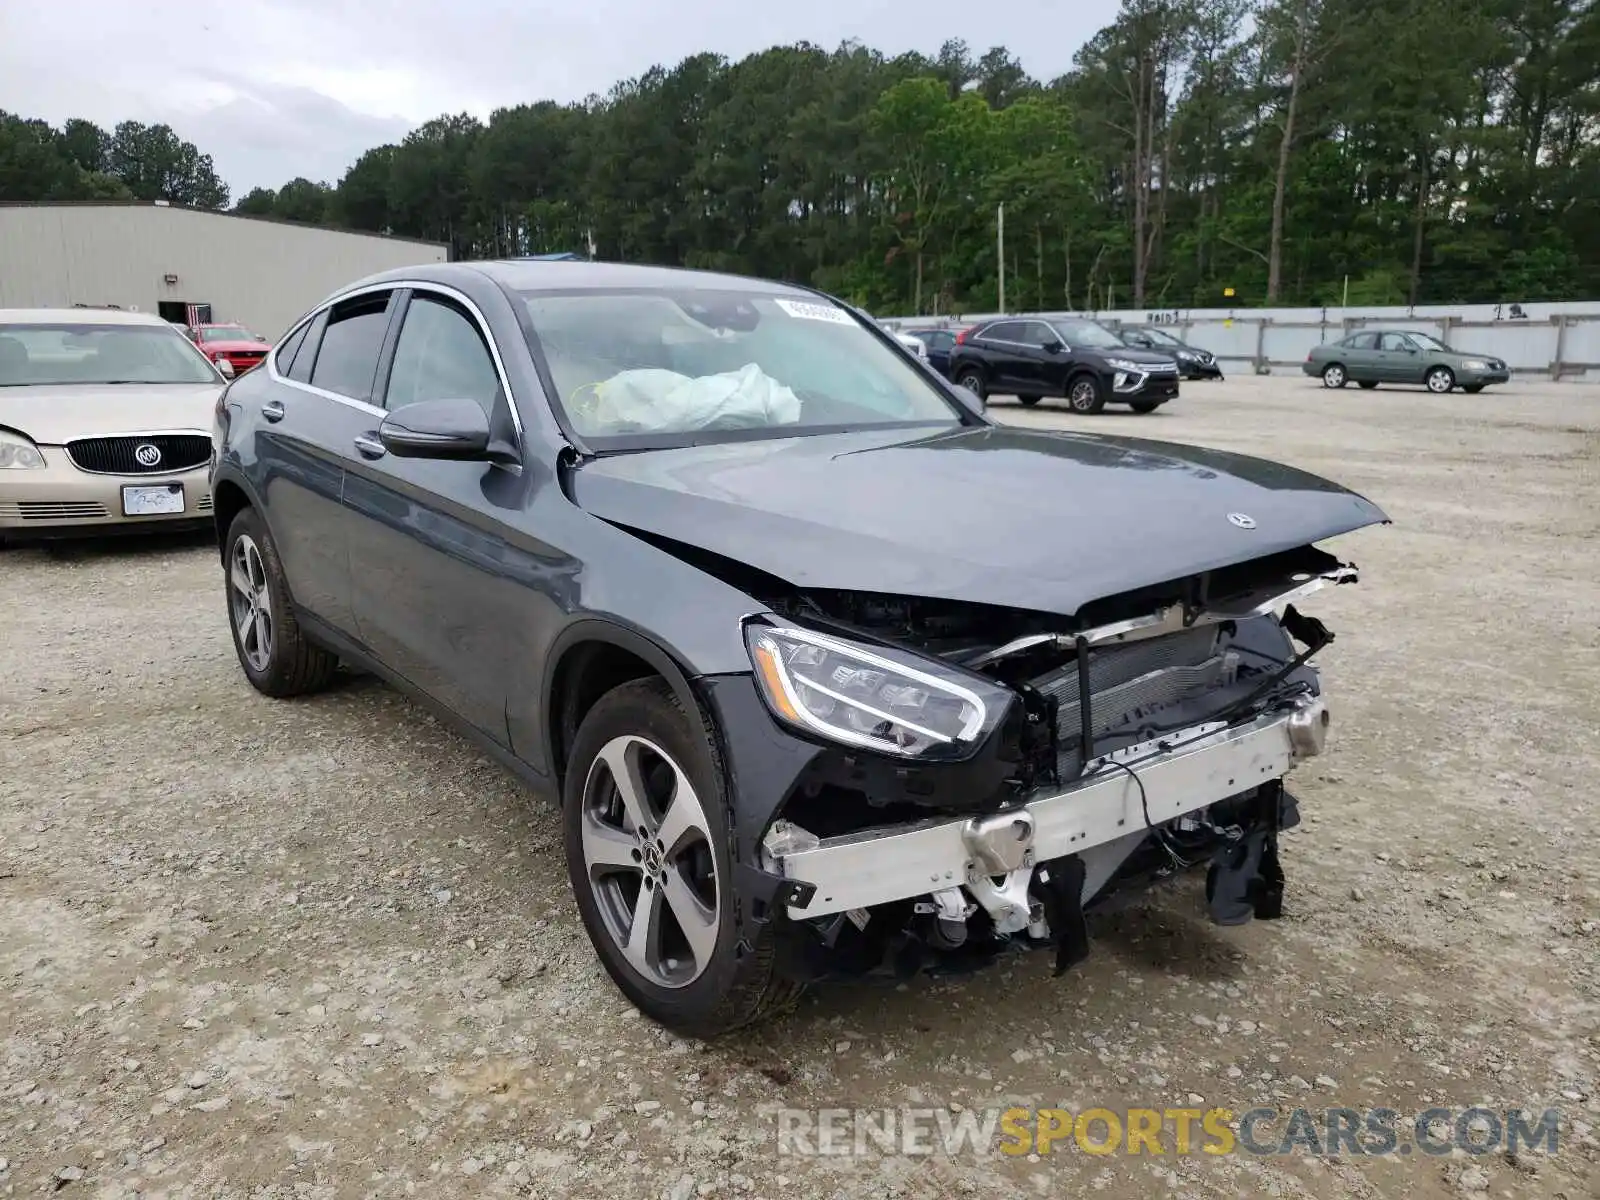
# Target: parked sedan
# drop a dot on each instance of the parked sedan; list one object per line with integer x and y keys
{"x": 1193, "y": 362}
{"x": 939, "y": 343}
{"x": 105, "y": 420}
{"x": 709, "y": 560}
{"x": 233, "y": 348}
{"x": 1372, "y": 357}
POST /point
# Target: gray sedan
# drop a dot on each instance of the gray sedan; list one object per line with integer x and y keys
{"x": 1402, "y": 356}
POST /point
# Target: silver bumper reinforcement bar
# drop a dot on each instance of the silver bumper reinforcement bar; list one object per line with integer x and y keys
{"x": 1181, "y": 772}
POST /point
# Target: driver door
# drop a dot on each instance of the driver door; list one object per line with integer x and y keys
{"x": 430, "y": 582}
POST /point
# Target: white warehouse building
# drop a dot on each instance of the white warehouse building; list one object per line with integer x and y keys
{"x": 184, "y": 263}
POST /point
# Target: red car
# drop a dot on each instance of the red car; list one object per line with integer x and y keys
{"x": 231, "y": 344}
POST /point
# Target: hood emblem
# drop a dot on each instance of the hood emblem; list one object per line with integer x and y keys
{"x": 147, "y": 454}
{"x": 1242, "y": 520}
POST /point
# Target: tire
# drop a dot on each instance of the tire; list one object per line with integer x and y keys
{"x": 1085, "y": 395}
{"x": 1028, "y": 401}
{"x": 274, "y": 653}
{"x": 972, "y": 379}
{"x": 1334, "y": 376}
{"x": 1144, "y": 406}
{"x": 1472, "y": 389}
{"x": 642, "y": 730}
{"x": 1441, "y": 381}
{"x": 1367, "y": 387}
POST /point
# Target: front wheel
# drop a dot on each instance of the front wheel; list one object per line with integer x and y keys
{"x": 1441, "y": 380}
{"x": 1145, "y": 406}
{"x": 647, "y": 844}
{"x": 972, "y": 379}
{"x": 1472, "y": 389}
{"x": 274, "y": 652}
{"x": 1334, "y": 376}
{"x": 1084, "y": 394}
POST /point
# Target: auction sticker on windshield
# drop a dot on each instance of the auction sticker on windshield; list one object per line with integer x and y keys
{"x": 815, "y": 312}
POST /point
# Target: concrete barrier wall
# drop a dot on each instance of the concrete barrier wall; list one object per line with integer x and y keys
{"x": 1552, "y": 341}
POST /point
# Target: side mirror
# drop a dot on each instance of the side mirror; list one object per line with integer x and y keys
{"x": 1053, "y": 347}
{"x": 223, "y": 366}
{"x": 456, "y": 430}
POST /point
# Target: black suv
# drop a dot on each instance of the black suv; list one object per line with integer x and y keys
{"x": 1031, "y": 358}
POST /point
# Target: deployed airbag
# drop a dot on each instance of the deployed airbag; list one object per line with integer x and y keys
{"x": 658, "y": 401}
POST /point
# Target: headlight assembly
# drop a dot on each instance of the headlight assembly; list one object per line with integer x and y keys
{"x": 18, "y": 453}
{"x": 1475, "y": 364}
{"x": 1125, "y": 364}
{"x": 872, "y": 696}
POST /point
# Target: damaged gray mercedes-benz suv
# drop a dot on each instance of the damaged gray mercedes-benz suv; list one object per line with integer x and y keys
{"x": 744, "y": 583}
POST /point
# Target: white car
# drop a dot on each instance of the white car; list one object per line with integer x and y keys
{"x": 105, "y": 424}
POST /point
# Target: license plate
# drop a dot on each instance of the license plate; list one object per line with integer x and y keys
{"x": 152, "y": 501}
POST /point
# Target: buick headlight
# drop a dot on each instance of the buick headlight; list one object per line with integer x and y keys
{"x": 872, "y": 696}
{"x": 17, "y": 453}
{"x": 1475, "y": 364}
{"x": 1127, "y": 364}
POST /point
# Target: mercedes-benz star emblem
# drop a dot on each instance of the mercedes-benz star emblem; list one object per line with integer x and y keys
{"x": 1242, "y": 520}
{"x": 148, "y": 454}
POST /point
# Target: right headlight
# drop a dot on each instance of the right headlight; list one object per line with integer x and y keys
{"x": 1126, "y": 364}
{"x": 873, "y": 697}
{"x": 17, "y": 453}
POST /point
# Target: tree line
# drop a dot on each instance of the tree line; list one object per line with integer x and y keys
{"x": 1294, "y": 151}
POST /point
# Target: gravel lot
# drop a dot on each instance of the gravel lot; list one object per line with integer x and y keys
{"x": 324, "y": 948}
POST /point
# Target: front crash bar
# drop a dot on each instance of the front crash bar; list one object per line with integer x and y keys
{"x": 1181, "y": 773}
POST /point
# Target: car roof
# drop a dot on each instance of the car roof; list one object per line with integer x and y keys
{"x": 525, "y": 275}
{"x": 77, "y": 316}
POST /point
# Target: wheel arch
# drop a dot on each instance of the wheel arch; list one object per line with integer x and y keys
{"x": 591, "y": 657}
{"x": 231, "y": 495}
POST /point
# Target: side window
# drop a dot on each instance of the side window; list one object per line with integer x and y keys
{"x": 283, "y": 356}
{"x": 1395, "y": 341}
{"x": 440, "y": 355}
{"x": 348, "y": 357}
{"x": 1003, "y": 331}
{"x": 942, "y": 340}
{"x": 1037, "y": 333}
{"x": 1362, "y": 341}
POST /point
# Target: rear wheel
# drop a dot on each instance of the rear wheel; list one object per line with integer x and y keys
{"x": 274, "y": 653}
{"x": 645, "y": 814}
{"x": 1334, "y": 376}
{"x": 1441, "y": 380}
{"x": 972, "y": 379}
{"x": 1084, "y": 394}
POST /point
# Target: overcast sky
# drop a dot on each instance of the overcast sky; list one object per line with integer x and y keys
{"x": 272, "y": 89}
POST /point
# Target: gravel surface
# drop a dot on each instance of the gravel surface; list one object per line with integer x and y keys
{"x": 325, "y": 948}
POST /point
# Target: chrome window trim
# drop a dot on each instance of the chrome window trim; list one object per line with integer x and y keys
{"x": 474, "y": 313}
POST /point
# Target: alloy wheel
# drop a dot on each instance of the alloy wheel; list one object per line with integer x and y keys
{"x": 973, "y": 384}
{"x": 1440, "y": 380}
{"x": 1083, "y": 395}
{"x": 1333, "y": 377}
{"x": 250, "y": 602}
{"x": 649, "y": 861}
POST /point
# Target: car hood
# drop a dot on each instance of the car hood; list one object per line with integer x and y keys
{"x": 232, "y": 347}
{"x": 57, "y": 413}
{"x": 996, "y": 515}
{"x": 1136, "y": 354}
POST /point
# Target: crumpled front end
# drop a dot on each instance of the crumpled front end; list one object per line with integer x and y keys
{"x": 1150, "y": 741}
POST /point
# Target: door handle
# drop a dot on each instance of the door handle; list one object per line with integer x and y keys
{"x": 272, "y": 410}
{"x": 368, "y": 446}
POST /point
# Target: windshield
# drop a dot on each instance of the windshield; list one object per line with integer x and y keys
{"x": 1087, "y": 333}
{"x": 88, "y": 354}
{"x": 642, "y": 368}
{"x": 1428, "y": 342}
{"x": 227, "y": 333}
{"x": 1162, "y": 338}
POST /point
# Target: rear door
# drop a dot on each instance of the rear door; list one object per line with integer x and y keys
{"x": 1361, "y": 359}
{"x": 1004, "y": 351}
{"x": 432, "y": 591}
{"x": 318, "y": 402}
